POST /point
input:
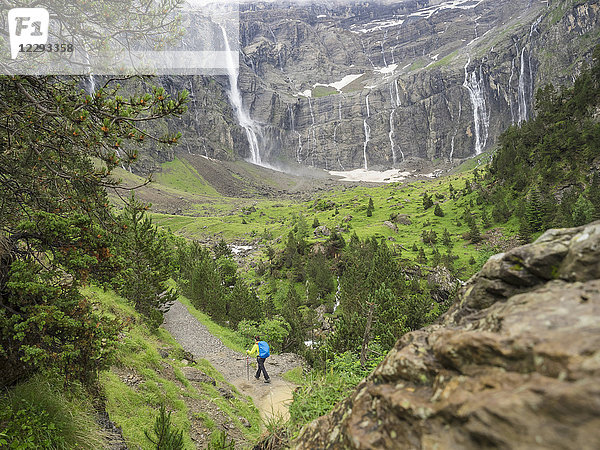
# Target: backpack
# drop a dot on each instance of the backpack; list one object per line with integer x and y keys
{"x": 263, "y": 350}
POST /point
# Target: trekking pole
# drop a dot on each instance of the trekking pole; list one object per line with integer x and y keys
{"x": 247, "y": 368}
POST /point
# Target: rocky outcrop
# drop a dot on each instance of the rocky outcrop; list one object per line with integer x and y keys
{"x": 515, "y": 363}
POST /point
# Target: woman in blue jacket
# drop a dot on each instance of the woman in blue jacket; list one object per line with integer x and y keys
{"x": 261, "y": 350}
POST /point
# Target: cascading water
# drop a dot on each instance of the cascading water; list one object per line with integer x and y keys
{"x": 383, "y": 48}
{"x": 510, "y": 97}
{"x": 522, "y": 90}
{"x": 337, "y": 295}
{"x": 475, "y": 85}
{"x": 235, "y": 97}
{"x": 367, "y": 133}
{"x": 299, "y": 149}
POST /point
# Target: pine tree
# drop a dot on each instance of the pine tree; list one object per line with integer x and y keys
{"x": 370, "y": 208}
{"x": 438, "y": 211}
{"x": 534, "y": 211}
{"x": 485, "y": 219}
{"x": 583, "y": 211}
{"x": 474, "y": 233}
{"x": 593, "y": 192}
{"x": 421, "y": 258}
{"x": 316, "y": 223}
{"x": 166, "y": 437}
{"x": 446, "y": 239}
{"x": 427, "y": 201}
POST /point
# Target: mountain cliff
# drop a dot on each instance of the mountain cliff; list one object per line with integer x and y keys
{"x": 354, "y": 85}
{"x": 514, "y": 364}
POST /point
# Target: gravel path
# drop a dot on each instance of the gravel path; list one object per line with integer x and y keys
{"x": 194, "y": 337}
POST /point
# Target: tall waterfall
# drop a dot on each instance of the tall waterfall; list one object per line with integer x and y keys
{"x": 510, "y": 96}
{"x": 367, "y": 133}
{"x": 474, "y": 83}
{"x": 299, "y": 149}
{"x": 235, "y": 96}
{"x": 522, "y": 90}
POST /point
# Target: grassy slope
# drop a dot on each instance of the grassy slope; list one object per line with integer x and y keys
{"x": 272, "y": 220}
{"x": 134, "y": 408}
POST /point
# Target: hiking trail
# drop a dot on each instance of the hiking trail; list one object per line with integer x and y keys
{"x": 271, "y": 399}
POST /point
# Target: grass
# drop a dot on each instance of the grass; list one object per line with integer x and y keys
{"x": 41, "y": 413}
{"x": 272, "y": 220}
{"x": 445, "y": 60}
{"x": 135, "y": 407}
{"x": 181, "y": 175}
{"x": 324, "y": 91}
{"x": 294, "y": 375}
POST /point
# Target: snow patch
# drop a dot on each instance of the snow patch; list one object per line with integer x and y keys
{"x": 339, "y": 85}
{"x": 371, "y": 176}
{"x": 389, "y": 69}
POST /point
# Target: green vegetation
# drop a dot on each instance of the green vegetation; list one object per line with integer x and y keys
{"x": 543, "y": 170}
{"x": 180, "y": 175}
{"x": 159, "y": 380}
{"x": 42, "y": 413}
{"x": 324, "y": 91}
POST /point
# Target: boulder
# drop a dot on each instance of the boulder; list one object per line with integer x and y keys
{"x": 322, "y": 231}
{"x": 391, "y": 226}
{"x": 402, "y": 219}
{"x": 515, "y": 363}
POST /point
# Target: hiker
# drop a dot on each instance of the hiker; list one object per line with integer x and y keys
{"x": 261, "y": 350}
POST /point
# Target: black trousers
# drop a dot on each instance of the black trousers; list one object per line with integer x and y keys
{"x": 261, "y": 367}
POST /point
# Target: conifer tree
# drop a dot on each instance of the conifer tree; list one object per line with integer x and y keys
{"x": 583, "y": 211}
{"x": 446, "y": 239}
{"x": 370, "y": 208}
{"x": 438, "y": 211}
{"x": 534, "y": 211}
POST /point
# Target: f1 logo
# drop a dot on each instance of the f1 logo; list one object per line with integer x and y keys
{"x": 27, "y": 26}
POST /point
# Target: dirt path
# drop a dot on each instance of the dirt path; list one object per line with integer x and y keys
{"x": 270, "y": 399}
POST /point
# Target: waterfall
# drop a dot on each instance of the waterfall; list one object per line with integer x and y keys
{"x": 368, "y": 56}
{"x": 391, "y": 135}
{"x": 383, "y": 49}
{"x": 337, "y": 294}
{"x": 235, "y": 96}
{"x": 510, "y": 97}
{"x": 299, "y": 149}
{"x": 367, "y": 133}
{"x": 91, "y": 84}
{"x": 452, "y": 148}
{"x": 397, "y": 93}
{"x": 475, "y": 86}
{"x": 335, "y": 134}
{"x": 522, "y": 92}
{"x": 340, "y": 108}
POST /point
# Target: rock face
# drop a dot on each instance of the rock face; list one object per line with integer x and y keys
{"x": 514, "y": 364}
{"x": 434, "y": 80}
